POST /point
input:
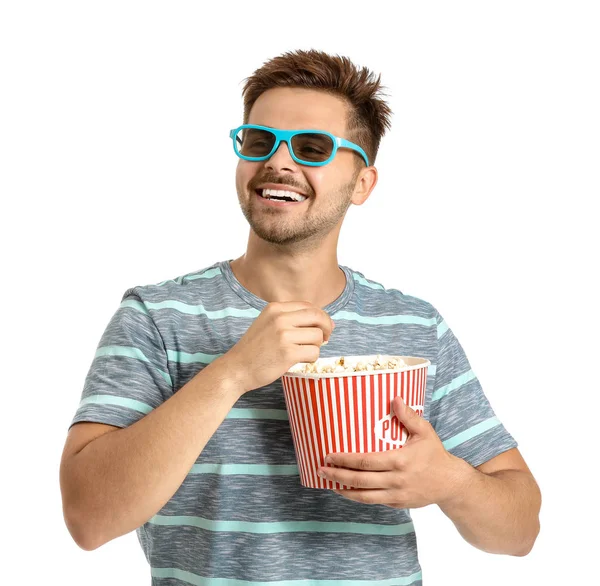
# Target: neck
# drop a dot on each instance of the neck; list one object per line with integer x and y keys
{"x": 276, "y": 274}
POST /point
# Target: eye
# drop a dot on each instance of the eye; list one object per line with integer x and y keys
{"x": 312, "y": 149}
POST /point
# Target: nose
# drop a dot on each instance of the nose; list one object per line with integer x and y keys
{"x": 281, "y": 159}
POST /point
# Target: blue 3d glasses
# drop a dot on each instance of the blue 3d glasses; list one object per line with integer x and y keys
{"x": 307, "y": 147}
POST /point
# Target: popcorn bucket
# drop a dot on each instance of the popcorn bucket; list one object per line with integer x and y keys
{"x": 349, "y": 411}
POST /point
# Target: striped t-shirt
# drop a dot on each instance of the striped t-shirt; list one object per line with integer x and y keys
{"x": 241, "y": 516}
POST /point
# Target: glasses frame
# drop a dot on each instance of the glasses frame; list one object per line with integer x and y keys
{"x": 287, "y": 135}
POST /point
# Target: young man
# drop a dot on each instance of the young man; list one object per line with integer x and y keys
{"x": 182, "y": 432}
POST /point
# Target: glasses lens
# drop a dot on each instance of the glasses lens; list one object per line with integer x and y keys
{"x": 253, "y": 142}
{"x": 312, "y": 147}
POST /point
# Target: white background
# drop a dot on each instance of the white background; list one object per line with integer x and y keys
{"x": 116, "y": 170}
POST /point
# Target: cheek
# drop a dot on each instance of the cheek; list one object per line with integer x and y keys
{"x": 340, "y": 176}
{"x": 244, "y": 172}
{"x": 317, "y": 180}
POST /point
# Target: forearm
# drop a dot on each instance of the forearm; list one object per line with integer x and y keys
{"x": 123, "y": 478}
{"x": 497, "y": 513}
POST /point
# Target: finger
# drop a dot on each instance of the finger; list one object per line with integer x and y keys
{"x": 288, "y": 306}
{"x": 313, "y": 336}
{"x": 312, "y": 317}
{"x": 368, "y": 497}
{"x": 415, "y": 424}
{"x": 371, "y": 461}
{"x": 357, "y": 478}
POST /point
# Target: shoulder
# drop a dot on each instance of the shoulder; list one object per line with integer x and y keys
{"x": 178, "y": 287}
{"x": 373, "y": 293}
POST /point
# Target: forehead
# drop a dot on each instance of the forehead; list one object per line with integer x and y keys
{"x": 300, "y": 108}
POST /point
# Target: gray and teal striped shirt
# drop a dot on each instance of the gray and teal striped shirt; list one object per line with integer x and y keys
{"x": 241, "y": 516}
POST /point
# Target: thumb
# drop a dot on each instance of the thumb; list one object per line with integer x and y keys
{"x": 412, "y": 421}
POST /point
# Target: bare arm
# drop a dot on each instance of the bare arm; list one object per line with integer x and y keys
{"x": 121, "y": 479}
{"x": 114, "y": 480}
{"x": 496, "y": 511}
{"x": 494, "y": 506}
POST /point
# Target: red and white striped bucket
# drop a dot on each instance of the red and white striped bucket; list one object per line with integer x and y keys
{"x": 349, "y": 411}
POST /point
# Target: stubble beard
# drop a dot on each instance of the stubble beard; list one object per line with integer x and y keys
{"x": 274, "y": 226}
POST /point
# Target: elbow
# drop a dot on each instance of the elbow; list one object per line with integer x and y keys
{"x": 81, "y": 528}
{"x": 86, "y": 545}
{"x": 81, "y": 536}
{"x": 526, "y": 550}
{"x": 78, "y": 524}
{"x": 535, "y": 524}
{"x": 523, "y": 552}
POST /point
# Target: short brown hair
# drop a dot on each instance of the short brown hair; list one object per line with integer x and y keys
{"x": 369, "y": 114}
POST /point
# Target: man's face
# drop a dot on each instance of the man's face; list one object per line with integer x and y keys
{"x": 329, "y": 188}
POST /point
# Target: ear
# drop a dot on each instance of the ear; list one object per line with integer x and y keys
{"x": 365, "y": 182}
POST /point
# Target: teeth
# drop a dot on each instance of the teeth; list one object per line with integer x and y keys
{"x": 267, "y": 193}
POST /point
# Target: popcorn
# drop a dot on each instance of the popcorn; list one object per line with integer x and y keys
{"x": 341, "y": 390}
{"x": 341, "y": 365}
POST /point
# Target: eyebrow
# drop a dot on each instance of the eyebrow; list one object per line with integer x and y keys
{"x": 306, "y": 128}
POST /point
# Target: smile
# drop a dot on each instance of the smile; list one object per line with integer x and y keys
{"x": 279, "y": 198}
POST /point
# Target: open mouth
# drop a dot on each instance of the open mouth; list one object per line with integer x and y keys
{"x": 280, "y": 197}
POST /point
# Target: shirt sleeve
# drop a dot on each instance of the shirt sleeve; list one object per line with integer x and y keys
{"x": 460, "y": 412}
{"x": 129, "y": 375}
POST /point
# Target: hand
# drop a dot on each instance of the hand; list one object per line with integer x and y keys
{"x": 283, "y": 334}
{"x": 421, "y": 473}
